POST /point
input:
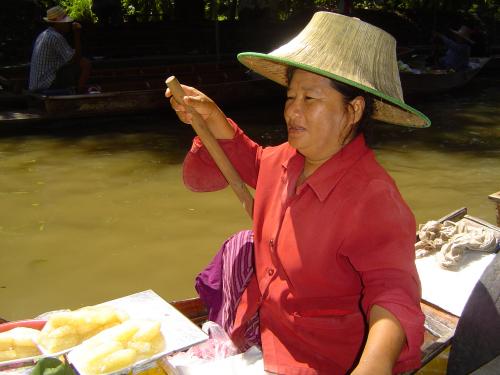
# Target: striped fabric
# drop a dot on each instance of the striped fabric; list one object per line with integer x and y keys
{"x": 223, "y": 281}
{"x": 50, "y": 52}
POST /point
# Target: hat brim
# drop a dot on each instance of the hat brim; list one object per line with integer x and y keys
{"x": 387, "y": 108}
{"x": 463, "y": 37}
{"x": 66, "y": 19}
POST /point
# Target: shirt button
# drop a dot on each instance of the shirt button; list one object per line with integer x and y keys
{"x": 270, "y": 271}
{"x": 271, "y": 243}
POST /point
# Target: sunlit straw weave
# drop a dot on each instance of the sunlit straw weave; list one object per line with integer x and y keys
{"x": 350, "y": 51}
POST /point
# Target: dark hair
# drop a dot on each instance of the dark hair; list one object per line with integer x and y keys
{"x": 349, "y": 93}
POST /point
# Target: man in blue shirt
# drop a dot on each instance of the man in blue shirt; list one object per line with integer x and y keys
{"x": 54, "y": 64}
{"x": 458, "y": 49}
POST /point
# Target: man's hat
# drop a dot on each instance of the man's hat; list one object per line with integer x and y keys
{"x": 57, "y": 15}
{"x": 347, "y": 50}
{"x": 464, "y": 32}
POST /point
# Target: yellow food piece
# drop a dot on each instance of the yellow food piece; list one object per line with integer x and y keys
{"x": 95, "y": 356}
{"x": 19, "y": 342}
{"x": 141, "y": 347}
{"x": 60, "y": 318}
{"x": 6, "y": 341}
{"x": 7, "y": 355}
{"x": 117, "y": 360}
{"x": 25, "y": 351}
{"x": 59, "y": 343}
{"x": 62, "y": 331}
{"x": 23, "y": 336}
{"x": 147, "y": 331}
{"x": 122, "y": 332}
{"x": 120, "y": 347}
{"x": 157, "y": 344}
{"x": 66, "y": 329}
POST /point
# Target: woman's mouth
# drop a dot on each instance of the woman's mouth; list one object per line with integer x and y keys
{"x": 295, "y": 129}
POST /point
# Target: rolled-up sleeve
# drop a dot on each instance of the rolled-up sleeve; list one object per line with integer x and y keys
{"x": 383, "y": 253}
{"x": 200, "y": 173}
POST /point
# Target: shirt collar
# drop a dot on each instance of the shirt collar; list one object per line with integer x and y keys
{"x": 326, "y": 177}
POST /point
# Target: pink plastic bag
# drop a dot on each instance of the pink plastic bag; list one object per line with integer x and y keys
{"x": 219, "y": 345}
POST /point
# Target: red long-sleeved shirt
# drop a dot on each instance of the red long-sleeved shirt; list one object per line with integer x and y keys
{"x": 325, "y": 253}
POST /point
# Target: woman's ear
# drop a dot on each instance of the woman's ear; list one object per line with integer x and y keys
{"x": 357, "y": 106}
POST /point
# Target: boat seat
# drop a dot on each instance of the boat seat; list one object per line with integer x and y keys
{"x": 477, "y": 337}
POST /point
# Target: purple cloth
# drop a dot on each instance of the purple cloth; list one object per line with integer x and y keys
{"x": 222, "y": 282}
{"x": 208, "y": 284}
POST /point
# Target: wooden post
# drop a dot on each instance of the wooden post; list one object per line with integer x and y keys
{"x": 495, "y": 197}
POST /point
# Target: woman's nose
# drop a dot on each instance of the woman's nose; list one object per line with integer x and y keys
{"x": 293, "y": 108}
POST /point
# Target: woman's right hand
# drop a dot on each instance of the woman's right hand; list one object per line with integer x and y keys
{"x": 206, "y": 108}
{"x": 194, "y": 98}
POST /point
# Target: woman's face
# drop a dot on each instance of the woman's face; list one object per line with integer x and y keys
{"x": 318, "y": 120}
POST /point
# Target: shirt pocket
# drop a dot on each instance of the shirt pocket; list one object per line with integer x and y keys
{"x": 345, "y": 331}
{"x": 337, "y": 320}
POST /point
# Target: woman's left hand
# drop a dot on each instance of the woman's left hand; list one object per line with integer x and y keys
{"x": 372, "y": 369}
{"x": 386, "y": 338}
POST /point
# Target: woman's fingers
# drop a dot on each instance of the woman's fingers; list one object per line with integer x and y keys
{"x": 180, "y": 111}
{"x": 194, "y": 99}
{"x": 188, "y": 90}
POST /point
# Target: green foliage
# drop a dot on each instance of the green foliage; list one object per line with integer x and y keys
{"x": 163, "y": 10}
{"x": 80, "y": 10}
{"x": 148, "y": 10}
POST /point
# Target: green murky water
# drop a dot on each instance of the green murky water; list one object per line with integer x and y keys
{"x": 92, "y": 210}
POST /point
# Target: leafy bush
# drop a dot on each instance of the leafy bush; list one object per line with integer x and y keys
{"x": 80, "y": 10}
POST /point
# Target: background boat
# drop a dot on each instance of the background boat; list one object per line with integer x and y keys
{"x": 141, "y": 89}
{"x": 439, "y": 81}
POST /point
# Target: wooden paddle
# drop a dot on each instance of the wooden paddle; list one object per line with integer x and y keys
{"x": 213, "y": 147}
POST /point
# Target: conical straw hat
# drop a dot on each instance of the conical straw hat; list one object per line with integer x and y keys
{"x": 348, "y": 50}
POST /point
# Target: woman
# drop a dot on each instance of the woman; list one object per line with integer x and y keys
{"x": 335, "y": 283}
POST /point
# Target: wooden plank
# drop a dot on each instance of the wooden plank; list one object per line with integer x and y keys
{"x": 437, "y": 321}
{"x": 21, "y": 115}
{"x": 193, "y": 308}
{"x": 454, "y": 216}
{"x": 495, "y": 198}
{"x": 482, "y": 223}
{"x": 439, "y": 330}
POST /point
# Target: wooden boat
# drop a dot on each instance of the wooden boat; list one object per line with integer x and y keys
{"x": 439, "y": 81}
{"x": 141, "y": 89}
{"x": 144, "y": 90}
{"x": 440, "y": 325}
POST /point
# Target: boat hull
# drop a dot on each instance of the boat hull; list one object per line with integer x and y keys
{"x": 439, "y": 82}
